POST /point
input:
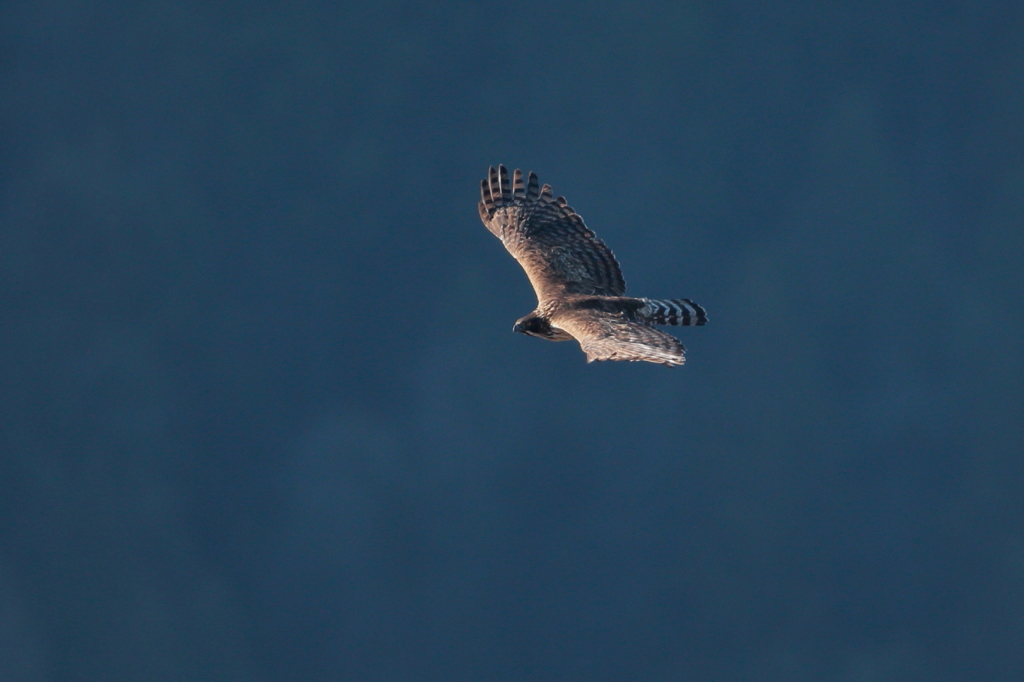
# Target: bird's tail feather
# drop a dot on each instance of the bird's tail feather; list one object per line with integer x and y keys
{"x": 676, "y": 311}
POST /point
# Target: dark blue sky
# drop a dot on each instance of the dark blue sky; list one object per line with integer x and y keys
{"x": 262, "y": 415}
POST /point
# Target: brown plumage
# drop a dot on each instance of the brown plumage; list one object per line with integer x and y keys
{"x": 579, "y": 286}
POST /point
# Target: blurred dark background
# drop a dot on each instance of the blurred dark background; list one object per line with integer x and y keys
{"x": 262, "y": 415}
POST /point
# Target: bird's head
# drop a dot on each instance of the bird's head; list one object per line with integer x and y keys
{"x": 535, "y": 325}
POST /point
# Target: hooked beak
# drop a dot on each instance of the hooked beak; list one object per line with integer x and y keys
{"x": 519, "y": 328}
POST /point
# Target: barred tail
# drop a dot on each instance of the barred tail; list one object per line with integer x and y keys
{"x": 681, "y": 311}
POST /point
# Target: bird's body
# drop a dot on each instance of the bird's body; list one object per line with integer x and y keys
{"x": 579, "y": 285}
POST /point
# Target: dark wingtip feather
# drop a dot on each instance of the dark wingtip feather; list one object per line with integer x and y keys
{"x": 532, "y": 187}
{"x": 492, "y": 184}
{"x": 504, "y": 188}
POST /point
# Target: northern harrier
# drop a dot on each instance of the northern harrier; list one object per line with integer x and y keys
{"x": 580, "y": 289}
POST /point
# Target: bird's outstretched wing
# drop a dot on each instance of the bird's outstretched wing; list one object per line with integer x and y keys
{"x": 559, "y": 253}
{"x": 610, "y": 336}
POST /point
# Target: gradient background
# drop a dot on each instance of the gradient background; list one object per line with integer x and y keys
{"x": 262, "y": 416}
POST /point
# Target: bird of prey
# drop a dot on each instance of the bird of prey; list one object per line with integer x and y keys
{"x": 580, "y": 290}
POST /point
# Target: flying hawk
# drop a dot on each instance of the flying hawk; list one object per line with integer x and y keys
{"x": 580, "y": 289}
